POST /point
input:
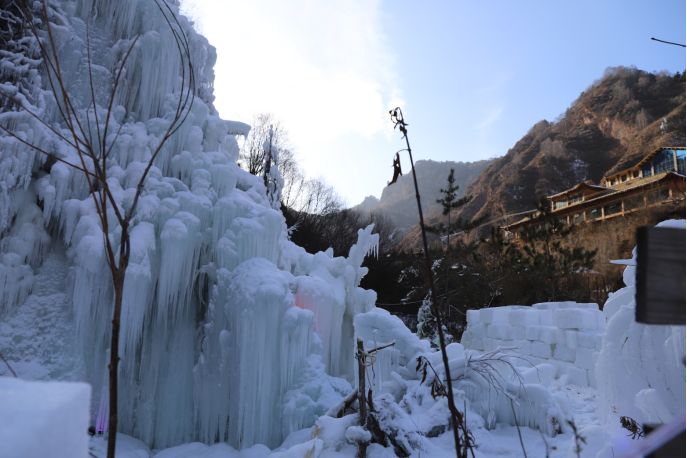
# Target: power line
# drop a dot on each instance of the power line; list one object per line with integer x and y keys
{"x": 668, "y": 42}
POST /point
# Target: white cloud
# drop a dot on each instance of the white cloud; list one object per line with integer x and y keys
{"x": 323, "y": 68}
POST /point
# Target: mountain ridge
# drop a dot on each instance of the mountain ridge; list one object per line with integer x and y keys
{"x": 620, "y": 118}
{"x": 397, "y": 202}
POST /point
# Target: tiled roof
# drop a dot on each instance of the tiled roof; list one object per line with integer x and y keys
{"x": 637, "y": 182}
{"x": 577, "y": 186}
{"x": 616, "y": 190}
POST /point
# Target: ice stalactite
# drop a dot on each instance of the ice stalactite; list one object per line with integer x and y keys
{"x": 274, "y": 331}
{"x": 16, "y": 281}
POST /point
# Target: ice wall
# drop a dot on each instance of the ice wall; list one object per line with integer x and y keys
{"x": 641, "y": 370}
{"x": 230, "y": 332}
{"x": 565, "y": 334}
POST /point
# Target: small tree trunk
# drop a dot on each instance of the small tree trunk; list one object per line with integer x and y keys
{"x": 447, "y": 311}
{"x": 118, "y": 282}
{"x": 362, "y": 402}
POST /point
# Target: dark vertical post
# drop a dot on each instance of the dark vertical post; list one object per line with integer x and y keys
{"x": 397, "y": 117}
{"x": 268, "y": 163}
{"x": 362, "y": 402}
{"x": 660, "y": 276}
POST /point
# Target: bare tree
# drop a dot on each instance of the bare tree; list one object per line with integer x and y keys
{"x": 294, "y": 179}
{"x": 87, "y": 131}
{"x": 320, "y": 198}
{"x": 266, "y": 132}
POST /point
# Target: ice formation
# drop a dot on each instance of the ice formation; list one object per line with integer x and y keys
{"x": 564, "y": 335}
{"x": 640, "y": 372}
{"x": 492, "y": 388}
{"x": 230, "y": 332}
{"x": 39, "y": 419}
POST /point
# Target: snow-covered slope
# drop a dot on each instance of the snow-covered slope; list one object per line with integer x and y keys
{"x": 223, "y": 316}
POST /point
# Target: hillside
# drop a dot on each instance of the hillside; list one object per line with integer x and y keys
{"x": 398, "y": 204}
{"x": 619, "y": 119}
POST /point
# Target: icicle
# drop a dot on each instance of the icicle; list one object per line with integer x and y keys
{"x": 16, "y": 280}
{"x": 138, "y": 286}
{"x": 180, "y": 249}
{"x": 326, "y": 300}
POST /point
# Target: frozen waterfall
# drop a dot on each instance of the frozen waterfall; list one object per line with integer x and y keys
{"x": 223, "y": 317}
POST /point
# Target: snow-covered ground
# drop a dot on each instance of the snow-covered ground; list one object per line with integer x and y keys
{"x": 231, "y": 334}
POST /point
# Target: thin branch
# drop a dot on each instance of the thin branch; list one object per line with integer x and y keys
{"x": 374, "y": 350}
{"x": 66, "y": 99}
{"x": 8, "y": 365}
{"x": 30, "y": 112}
{"x": 114, "y": 89}
{"x": 90, "y": 81}
{"x": 42, "y": 151}
{"x": 47, "y": 61}
{"x": 185, "y": 103}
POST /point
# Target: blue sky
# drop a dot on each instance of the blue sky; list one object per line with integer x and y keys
{"x": 471, "y": 76}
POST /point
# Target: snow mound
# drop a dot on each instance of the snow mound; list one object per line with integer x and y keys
{"x": 40, "y": 419}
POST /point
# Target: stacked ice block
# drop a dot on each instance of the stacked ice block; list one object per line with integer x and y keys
{"x": 565, "y": 334}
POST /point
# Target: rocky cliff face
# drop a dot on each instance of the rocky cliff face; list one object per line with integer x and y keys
{"x": 398, "y": 202}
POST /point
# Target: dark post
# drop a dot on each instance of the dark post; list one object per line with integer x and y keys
{"x": 362, "y": 402}
{"x": 268, "y": 164}
{"x": 661, "y": 295}
{"x": 660, "y": 276}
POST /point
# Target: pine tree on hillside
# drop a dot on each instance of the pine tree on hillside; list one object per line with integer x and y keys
{"x": 547, "y": 258}
{"x": 449, "y": 201}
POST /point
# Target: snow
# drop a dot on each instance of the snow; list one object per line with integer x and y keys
{"x": 356, "y": 434}
{"x": 39, "y": 419}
